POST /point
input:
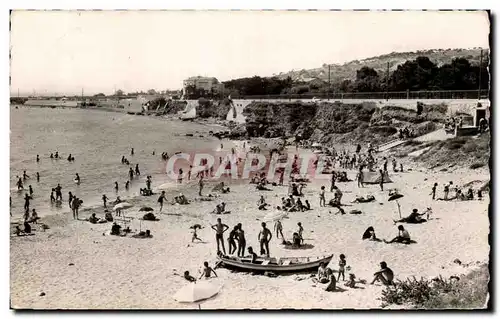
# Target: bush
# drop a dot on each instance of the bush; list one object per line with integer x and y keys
{"x": 469, "y": 291}
{"x": 476, "y": 165}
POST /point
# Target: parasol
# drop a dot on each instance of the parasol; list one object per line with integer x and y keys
{"x": 122, "y": 205}
{"x": 275, "y": 216}
{"x": 395, "y": 197}
{"x": 194, "y": 292}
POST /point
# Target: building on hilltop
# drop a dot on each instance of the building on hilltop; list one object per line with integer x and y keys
{"x": 199, "y": 86}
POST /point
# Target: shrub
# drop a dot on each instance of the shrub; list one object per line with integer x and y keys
{"x": 476, "y": 165}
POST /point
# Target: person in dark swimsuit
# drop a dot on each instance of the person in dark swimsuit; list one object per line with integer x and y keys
{"x": 219, "y": 229}
{"x": 241, "y": 240}
{"x": 232, "y": 240}
{"x": 253, "y": 255}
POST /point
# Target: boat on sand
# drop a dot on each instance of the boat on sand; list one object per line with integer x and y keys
{"x": 283, "y": 264}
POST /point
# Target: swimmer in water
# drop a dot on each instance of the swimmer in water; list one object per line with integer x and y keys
{"x": 57, "y": 154}
{"x": 37, "y": 176}
{"x": 51, "y": 155}
{"x": 20, "y": 184}
{"x": 137, "y": 172}
{"x": 131, "y": 173}
{"x": 25, "y": 176}
{"x": 52, "y": 198}
{"x": 77, "y": 178}
{"x": 37, "y": 158}
{"x": 127, "y": 185}
{"x": 132, "y": 151}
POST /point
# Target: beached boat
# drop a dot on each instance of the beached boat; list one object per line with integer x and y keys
{"x": 283, "y": 264}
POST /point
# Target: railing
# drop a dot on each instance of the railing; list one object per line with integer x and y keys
{"x": 403, "y": 95}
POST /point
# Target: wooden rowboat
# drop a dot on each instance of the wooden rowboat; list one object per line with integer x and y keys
{"x": 283, "y": 264}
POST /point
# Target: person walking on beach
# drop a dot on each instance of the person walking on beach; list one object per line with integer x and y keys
{"x": 189, "y": 172}
{"x": 161, "y": 199}
{"x": 19, "y": 184}
{"x": 30, "y": 190}
{"x": 37, "y": 177}
{"x": 179, "y": 177}
{"x": 127, "y": 184}
{"x": 278, "y": 228}
{"x": 332, "y": 181}
{"x": 433, "y": 193}
{"x": 148, "y": 182}
{"x": 381, "y": 182}
{"x": 394, "y": 164}
{"x": 282, "y": 178}
{"x": 241, "y": 240}
{"x": 25, "y": 176}
{"x": 385, "y": 164}
{"x": 131, "y": 173}
{"x": 219, "y": 229}
{"x": 264, "y": 238}
{"x": 116, "y": 187}
{"x": 58, "y": 192}
{"x": 360, "y": 177}
{"x": 27, "y": 199}
{"x": 70, "y": 199}
{"x": 137, "y": 172}
{"x": 104, "y": 200}
{"x": 52, "y": 198}
{"x": 322, "y": 200}
{"x": 342, "y": 264}
{"x": 447, "y": 190}
{"x": 200, "y": 184}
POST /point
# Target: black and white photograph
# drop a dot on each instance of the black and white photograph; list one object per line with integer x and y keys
{"x": 249, "y": 159}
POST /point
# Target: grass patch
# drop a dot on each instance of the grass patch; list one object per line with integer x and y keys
{"x": 467, "y": 292}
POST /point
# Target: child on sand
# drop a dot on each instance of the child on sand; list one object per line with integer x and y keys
{"x": 332, "y": 286}
{"x": 433, "y": 193}
{"x": 301, "y": 230}
{"x": 195, "y": 235}
{"x": 207, "y": 271}
{"x": 322, "y": 200}
{"x": 342, "y": 263}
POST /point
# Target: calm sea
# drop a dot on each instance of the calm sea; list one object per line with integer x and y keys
{"x": 97, "y": 140}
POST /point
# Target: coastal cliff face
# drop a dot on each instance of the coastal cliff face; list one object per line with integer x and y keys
{"x": 337, "y": 122}
{"x": 215, "y": 109}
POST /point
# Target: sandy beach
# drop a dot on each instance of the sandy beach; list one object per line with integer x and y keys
{"x": 78, "y": 265}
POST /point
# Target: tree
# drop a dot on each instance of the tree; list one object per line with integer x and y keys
{"x": 119, "y": 93}
{"x": 99, "y": 95}
{"x": 367, "y": 80}
{"x": 151, "y": 92}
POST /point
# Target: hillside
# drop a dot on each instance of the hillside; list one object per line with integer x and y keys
{"x": 348, "y": 70}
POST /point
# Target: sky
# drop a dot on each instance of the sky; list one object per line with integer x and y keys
{"x": 64, "y": 52}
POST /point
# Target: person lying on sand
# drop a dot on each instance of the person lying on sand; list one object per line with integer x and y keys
{"x": 142, "y": 234}
{"x": 261, "y": 187}
{"x": 207, "y": 271}
{"x": 19, "y": 232}
{"x": 361, "y": 199}
{"x": 384, "y": 275}
{"x": 413, "y": 218}
{"x": 188, "y": 277}
{"x": 403, "y": 236}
